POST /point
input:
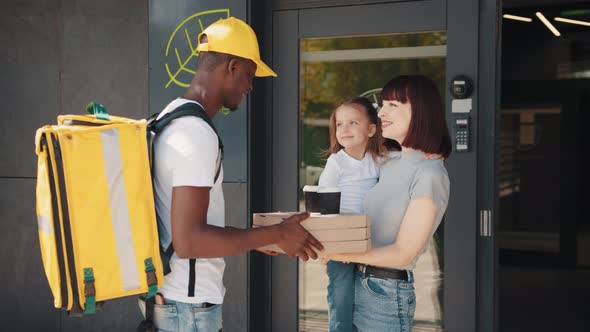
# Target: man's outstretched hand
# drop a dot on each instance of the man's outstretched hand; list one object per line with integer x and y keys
{"x": 267, "y": 252}
{"x": 296, "y": 240}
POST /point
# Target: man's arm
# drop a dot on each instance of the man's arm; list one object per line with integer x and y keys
{"x": 194, "y": 238}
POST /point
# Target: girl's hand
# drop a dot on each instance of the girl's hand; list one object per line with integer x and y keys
{"x": 340, "y": 258}
{"x": 431, "y": 156}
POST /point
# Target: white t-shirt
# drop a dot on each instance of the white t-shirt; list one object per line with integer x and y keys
{"x": 354, "y": 178}
{"x": 186, "y": 153}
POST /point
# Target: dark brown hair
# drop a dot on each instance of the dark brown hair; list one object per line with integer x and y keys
{"x": 375, "y": 144}
{"x": 428, "y": 130}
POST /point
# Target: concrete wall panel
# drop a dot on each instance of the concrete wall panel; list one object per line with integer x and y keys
{"x": 56, "y": 57}
{"x": 29, "y": 84}
{"x": 173, "y": 30}
{"x": 235, "y": 279}
{"x": 27, "y": 302}
{"x": 105, "y": 56}
{"x": 117, "y": 315}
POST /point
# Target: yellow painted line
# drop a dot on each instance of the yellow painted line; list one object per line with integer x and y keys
{"x": 190, "y": 71}
{"x": 193, "y": 50}
{"x": 177, "y": 55}
{"x": 226, "y": 11}
{"x": 173, "y": 78}
{"x": 188, "y": 39}
{"x": 184, "y": 85}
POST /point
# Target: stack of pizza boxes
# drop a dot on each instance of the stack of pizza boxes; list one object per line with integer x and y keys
{"x": 338, "y": 233}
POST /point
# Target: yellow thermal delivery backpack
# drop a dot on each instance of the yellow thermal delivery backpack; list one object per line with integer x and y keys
{"x": 95, "y": 210}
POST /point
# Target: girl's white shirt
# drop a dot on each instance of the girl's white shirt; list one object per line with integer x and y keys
{"x": 354, "y": 178}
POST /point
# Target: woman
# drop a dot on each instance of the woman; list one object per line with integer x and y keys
{"x": 405, "y": 207}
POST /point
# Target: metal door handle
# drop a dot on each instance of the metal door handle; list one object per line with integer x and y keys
{"x": 485, "y": 223}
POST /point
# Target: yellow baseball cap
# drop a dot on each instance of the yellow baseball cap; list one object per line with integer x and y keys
{"x": 233, "y": 36}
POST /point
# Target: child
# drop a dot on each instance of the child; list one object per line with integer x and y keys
{"x": 354, "y": 131}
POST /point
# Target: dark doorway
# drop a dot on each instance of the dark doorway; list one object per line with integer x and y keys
{"x": 324, "y": 55}
{"x": 543, "y": 235}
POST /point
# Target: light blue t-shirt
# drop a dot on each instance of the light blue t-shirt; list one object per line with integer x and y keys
{"x": 406, "y": 176}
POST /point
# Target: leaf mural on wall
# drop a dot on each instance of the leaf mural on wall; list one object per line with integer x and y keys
{"x": 181, "y": 49}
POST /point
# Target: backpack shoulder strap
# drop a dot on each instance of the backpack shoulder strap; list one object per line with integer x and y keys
{"x": 154, "y": 127}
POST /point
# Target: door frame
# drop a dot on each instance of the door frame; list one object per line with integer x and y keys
{"x": 488, "y": 164}
{"x": 284, "y": 24}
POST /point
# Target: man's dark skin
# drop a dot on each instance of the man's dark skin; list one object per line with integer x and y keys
{"x": 220, "y": 83}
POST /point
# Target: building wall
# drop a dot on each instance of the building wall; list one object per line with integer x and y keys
{"x": 58, "y": 55}
{"x": 169, "y": 75}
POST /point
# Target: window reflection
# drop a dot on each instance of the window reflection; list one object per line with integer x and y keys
{"x": 334, "y": 69}
{"x": 543, "y": 233}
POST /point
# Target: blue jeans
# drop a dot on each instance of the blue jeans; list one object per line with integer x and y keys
{"x": 383, "y": 304}
{"x": 340, "y": 296}
{"x": 176, "y": 316}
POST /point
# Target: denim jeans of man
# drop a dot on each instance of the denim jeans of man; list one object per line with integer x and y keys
{"x": 383, "y": 304}
{"x": 340, "y": 296}
{"x": 176, "y": 316}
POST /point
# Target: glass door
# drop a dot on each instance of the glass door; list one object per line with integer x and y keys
{"x": 332, "y": 70}
{"x": 323, "y": 56}
{"x": 543, "y": 233}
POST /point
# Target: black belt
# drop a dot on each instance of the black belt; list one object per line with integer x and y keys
{"x": 381, "y": 272}
{"x": 204, "y": 305}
